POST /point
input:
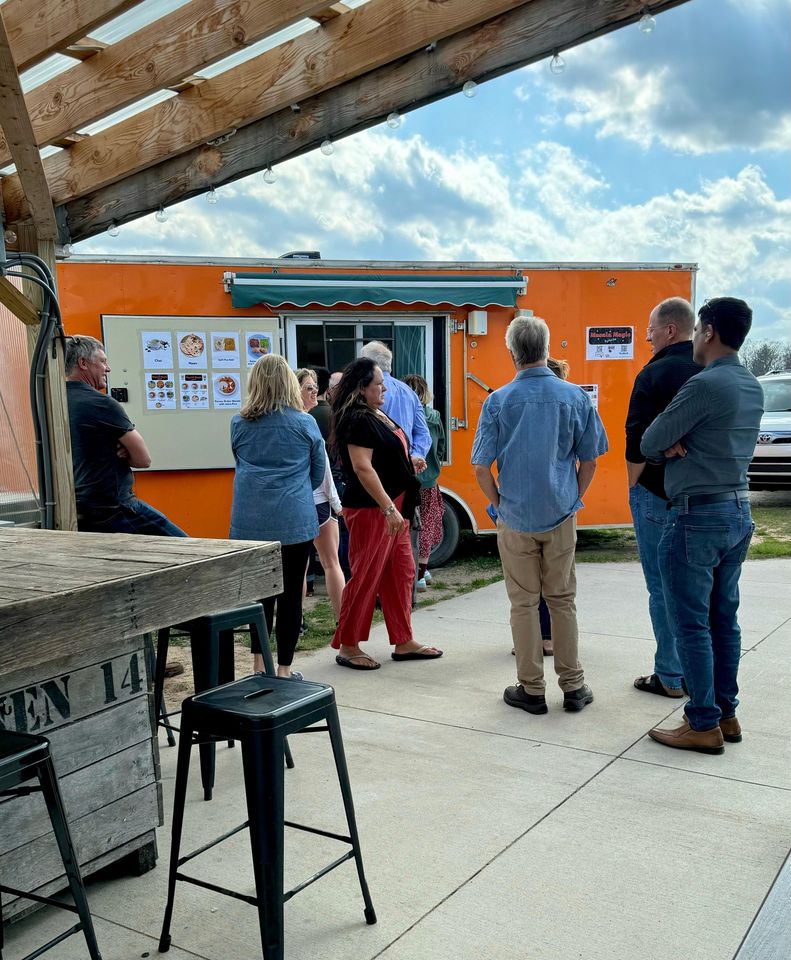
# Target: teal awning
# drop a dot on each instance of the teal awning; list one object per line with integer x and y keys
{"x": 354, "y": 289}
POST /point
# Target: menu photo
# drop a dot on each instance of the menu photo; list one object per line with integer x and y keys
{"x": 160, "y": 390}
{"x": 224, "y": 349}
{"x": 258, "y": 345}
{"x": 194, "y": 391}
{"x": 157, "y": 348}
{"x": 227, "y": 389}
{"x": 191, "y": 348}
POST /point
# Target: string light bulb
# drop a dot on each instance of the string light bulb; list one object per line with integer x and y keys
{"x": 394, "y": 120}
{"x": 161, "y": 215}
{"x": 646, "y": 23}
{"x": 9, "y": 236}
{"x": 557, "y": 64}
{"x": 68, "y": 249}
{"x": 469, "y": 89}
{"x": 327, "y": 148}
{"x": 211, "y": 196}
{"x": 113, "y": 230}
{"x": 269, "y": 175}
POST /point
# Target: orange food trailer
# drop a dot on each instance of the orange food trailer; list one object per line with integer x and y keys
{"x": 181, "y": 334}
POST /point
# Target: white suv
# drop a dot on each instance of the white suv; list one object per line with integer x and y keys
{"x": 770, "y": 468}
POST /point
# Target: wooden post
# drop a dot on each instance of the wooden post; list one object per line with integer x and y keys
{"x": 57, "y": 407}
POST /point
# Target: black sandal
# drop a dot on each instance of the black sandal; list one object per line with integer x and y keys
{"x": 653, "y": 684}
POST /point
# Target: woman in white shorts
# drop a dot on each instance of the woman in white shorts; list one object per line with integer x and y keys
{"x": 328, "y": 508}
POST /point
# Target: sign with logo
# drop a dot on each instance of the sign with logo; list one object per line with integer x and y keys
{"x": 609, "y": 343}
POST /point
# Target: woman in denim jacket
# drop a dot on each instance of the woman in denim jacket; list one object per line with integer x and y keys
{"x": 279, "y": 455}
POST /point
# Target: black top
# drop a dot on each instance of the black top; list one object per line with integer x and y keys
{"x": 97, "y": 422}
{"x": 322, "y": 413}
{"x": 389, "y": 459}
{"x": 656, "y": 385}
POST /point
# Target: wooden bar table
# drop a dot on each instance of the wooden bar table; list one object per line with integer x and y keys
{"x": 73, "y": 611}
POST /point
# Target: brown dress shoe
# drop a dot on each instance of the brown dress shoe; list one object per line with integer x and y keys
{"x": 685, "y": 738}
{"x": 731, "y": 730}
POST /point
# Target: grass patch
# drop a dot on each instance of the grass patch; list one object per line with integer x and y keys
{"x": 773, "y": 528}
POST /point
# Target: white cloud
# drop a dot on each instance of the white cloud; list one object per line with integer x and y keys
{"x": 401, "y": 198}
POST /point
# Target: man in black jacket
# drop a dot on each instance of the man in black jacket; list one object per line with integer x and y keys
{"x": 670, "y": 326}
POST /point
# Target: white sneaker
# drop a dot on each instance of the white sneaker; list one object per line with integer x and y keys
{"x": 421, "y": 586}
{"x": 427, "y": 576}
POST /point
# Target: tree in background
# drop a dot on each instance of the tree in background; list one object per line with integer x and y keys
{"x": 761, "y": 356}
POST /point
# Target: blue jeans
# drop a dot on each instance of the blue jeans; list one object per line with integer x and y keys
{"x": 134, "y": 516}
{"x": 701, "y": 555}
{"x": 649, "y": 515}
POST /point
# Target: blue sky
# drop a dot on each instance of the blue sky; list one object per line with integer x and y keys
{"x": 671, "y": 146}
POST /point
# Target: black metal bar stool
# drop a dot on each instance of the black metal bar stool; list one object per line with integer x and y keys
{"x": 211, "y": 643}
{"x": 260, "y": 711}
{"x": 25, "y": 757}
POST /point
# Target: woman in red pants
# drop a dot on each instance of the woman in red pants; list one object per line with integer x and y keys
{"x": 378, "y": 504}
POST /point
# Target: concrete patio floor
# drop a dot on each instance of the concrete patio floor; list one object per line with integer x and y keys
{"x": 489, "y": 833}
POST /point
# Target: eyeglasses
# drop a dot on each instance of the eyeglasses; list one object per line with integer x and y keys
{"x": 308, "y": 389}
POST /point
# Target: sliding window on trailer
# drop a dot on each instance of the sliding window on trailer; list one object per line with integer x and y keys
{"x": 419, "y": 343}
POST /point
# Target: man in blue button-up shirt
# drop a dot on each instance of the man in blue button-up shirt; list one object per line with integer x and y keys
{"x": 545, "y": 436}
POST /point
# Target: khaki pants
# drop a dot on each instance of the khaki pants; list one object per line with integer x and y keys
{"x": 536, "y": 563}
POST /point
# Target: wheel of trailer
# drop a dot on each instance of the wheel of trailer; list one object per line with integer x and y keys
{"x": 451, "y": 530}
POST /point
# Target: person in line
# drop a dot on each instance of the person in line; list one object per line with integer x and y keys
{"x": 105, "y": 446}
{"x": 380, "y": 498}
{"x": 321, "y": 412}
{"x": 538, "y": 428}
{"x": 706, "y": 437}
{"x": 669, "y": 332}
{"x": 432, "y": 506}
{"x": 402, "y": 406}
{"x": 328, "y": 508}
{"x": 280, "y": 461}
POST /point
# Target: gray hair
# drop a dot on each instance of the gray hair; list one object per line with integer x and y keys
{"x": 527, "y": 337}
{"x": 378, "y": 352}
{"x": 678, "y": 311}
{"x": 80, "y": 348}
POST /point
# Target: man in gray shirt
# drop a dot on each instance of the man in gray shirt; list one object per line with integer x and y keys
{"x": 707, "y": 436}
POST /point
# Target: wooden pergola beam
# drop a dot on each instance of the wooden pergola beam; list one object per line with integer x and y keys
{"x": 514, "y": 39}
{"x": 39, "y": 29}
{"x": 84, "y": 49}
{"x": 156, "y": 57}
{"x": 19, "y": 134}
{"x": 330, "y": 13}
{"x": 13, "y": 298}
{"x": 348, "y": 46}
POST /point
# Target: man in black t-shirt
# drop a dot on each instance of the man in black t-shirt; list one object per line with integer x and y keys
{"x": 104, "y": 448}
{"x": 670, "y": 326}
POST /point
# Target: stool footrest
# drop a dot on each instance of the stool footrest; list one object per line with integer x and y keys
{"x": 323, "y": 872}
{"x": 213, "y": 843}
{"x": 54, "y": 942}
{"x": 218, "y": 889}
{"x": 49, "y": 901}
{"x": 321, "y": 833}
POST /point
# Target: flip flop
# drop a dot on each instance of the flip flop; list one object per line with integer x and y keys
{"x": 348, "y": 662}
{"x": 653, "y": 684}
{"x": 416, "y": 655}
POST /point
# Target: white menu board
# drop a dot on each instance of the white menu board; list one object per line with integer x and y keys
{"x": 592, "y": 389}
{"x": 157, "y": 348}
{"x": 194, "y": 391}
{"x": 191, "y": 349}
{"x": 227, "y": 389}
{"x": 160, "y": 390}
{"x": 257, "y": 345}
{"x": 224, "y": 349}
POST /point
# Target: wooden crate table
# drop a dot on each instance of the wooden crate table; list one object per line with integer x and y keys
{"x": 73, "y": 611}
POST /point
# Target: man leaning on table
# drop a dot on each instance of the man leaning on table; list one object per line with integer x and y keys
{"x": 104, "y": 448}
{"x": 707, "y": 437}
{"x": 545, "y": 436}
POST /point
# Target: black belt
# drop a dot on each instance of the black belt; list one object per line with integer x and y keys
{"x": 696, "y": 499}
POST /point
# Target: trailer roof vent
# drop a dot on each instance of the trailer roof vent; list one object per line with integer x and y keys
{"x": 300, "y": 255}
